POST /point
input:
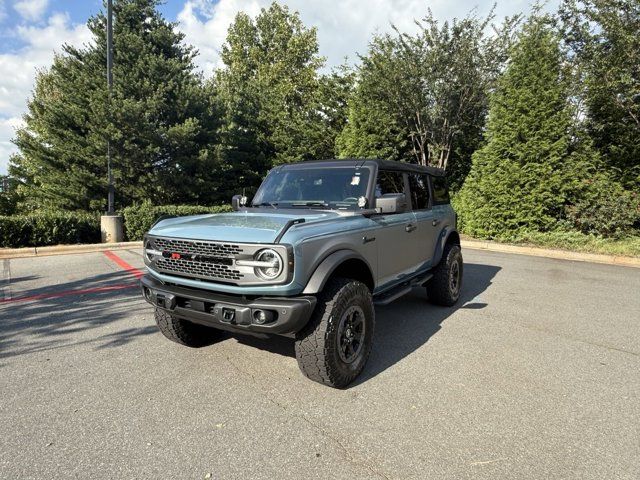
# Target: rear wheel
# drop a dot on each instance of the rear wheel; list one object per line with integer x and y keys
{"x": 444, "y": 287}
{"x": 184, "y": 332}
{"x": 334, "y": 346}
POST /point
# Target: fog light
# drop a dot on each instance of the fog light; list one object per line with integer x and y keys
{"x": 262, "y": 316}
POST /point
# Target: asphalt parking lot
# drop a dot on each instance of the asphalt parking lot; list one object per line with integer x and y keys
{"x": 536, "y": 374}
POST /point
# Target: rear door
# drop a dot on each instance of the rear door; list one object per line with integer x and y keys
{"x": 427, "y": 224}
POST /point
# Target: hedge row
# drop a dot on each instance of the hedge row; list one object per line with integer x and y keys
{"x": 41, "y": 229}
{"x": 139, "y": 218}
{"x": 49, "y": 229}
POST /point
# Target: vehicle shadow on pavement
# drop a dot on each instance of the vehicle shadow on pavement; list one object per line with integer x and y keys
{"x": 402, "y": 326}
{"x": 55, "y": 316}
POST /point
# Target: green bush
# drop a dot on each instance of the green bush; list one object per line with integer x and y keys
{"x": 139, "y": 218}
{"x": 604, "y": 208}
{"x": 49, "y": 228}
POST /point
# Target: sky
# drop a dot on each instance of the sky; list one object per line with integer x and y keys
{"x": 32, "y": 30}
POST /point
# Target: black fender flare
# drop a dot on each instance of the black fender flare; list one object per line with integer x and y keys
{"x": 327, "y": 266}
{"x": 443, "y": 238}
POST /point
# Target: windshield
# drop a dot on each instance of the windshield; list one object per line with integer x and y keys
{"x": 335, "y": 187}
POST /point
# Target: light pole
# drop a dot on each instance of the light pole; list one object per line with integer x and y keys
{"x": 111, "y": 224}
{"x": 111, "y": 190}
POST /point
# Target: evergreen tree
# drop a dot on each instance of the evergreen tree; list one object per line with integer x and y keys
{"x": 7, "y": 195}
{"x": 160, "y": 120}
{"x": 521, "y": 179}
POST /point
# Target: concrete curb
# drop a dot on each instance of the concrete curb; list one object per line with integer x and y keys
{"x": 65, "y": 249}
{"x": 472, "y": 244}
{"x": 548, "y": 253}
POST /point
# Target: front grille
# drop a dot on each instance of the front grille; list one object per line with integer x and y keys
{"x": 199, "y": 269}
{"x": 197, "y": 246}
{"x": 197, "y": 258}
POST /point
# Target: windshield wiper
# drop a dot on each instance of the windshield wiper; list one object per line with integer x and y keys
{"x": 265, "y": 204}
{"x": 310, "y": 204}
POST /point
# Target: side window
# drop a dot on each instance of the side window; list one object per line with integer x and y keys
{"x": 389, "y": 182}
{"x": 419, "y": 184}
{"x": 440, "y": 190}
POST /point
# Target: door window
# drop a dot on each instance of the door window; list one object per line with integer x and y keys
{"x": 440, "y": 190}
{"x": 419, "y": 184}
{"x": 389, "y": 182}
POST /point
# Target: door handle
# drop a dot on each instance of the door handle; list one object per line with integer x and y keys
{"x": 410, "y": 228}
{"x": 435, "y": 223}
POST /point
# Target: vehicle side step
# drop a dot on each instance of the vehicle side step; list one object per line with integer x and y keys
{"x": 388, "y": 297}
{"x": 423, "y": 280}
{"x": 393, "y": 295}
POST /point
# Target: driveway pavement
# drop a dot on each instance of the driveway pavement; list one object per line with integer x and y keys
{"x": 535, "y": 375}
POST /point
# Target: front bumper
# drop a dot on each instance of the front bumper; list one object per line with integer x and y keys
{"x": 285, "y": 315}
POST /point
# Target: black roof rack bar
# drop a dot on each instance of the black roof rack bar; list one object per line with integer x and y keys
{"x": 361, "y": 162}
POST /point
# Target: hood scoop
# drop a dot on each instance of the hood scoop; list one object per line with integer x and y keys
{"x": 286, "y": 227}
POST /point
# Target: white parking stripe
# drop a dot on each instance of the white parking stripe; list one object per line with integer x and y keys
{"x": 5, "y": 284}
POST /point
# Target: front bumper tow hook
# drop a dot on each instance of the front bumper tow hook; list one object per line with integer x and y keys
{"x": 228, "y": 314}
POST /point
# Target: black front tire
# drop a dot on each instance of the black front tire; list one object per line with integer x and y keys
{"x": 334, "y": 346}
{"x": 184, "y": 332}
{"x": 444, "y": 288}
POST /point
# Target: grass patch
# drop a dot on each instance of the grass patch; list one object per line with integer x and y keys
{"x": 576, "y": 242}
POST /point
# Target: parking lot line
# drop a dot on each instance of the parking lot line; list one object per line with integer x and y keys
{"x": 5, "y": 296}
{"x": 124, "y": 265}
{"x": 66, "y": 293}
{"x": 5, "y": 285}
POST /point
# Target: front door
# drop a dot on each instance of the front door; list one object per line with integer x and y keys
{"x": 396, "y": 233}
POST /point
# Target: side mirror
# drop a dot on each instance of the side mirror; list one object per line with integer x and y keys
{"x": 391, "y": 203}
{"x": 238, "y": 201}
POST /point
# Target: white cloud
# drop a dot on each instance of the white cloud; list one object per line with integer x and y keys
{"x": 208, "y": 34}
{"x": 344, "y": 27}
{"x": 19, "y": 68}
{"x": 31, "y": 9}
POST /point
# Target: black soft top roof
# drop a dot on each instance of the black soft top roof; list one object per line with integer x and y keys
{"x": 384, "y": 164}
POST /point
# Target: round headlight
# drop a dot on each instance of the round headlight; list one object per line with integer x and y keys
{"x": 273, "y": 264}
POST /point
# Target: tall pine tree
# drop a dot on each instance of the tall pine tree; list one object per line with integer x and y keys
{"x": 160, "y": 120}
{"x": 521, "y": 178}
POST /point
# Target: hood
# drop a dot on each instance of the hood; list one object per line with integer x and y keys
{"x": 245, "y": 227}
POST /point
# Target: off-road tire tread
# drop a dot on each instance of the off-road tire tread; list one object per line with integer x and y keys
{"x": 315, "y": 344}
{"x": 438, "y": 287}
{"x": 185, "y": 332}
